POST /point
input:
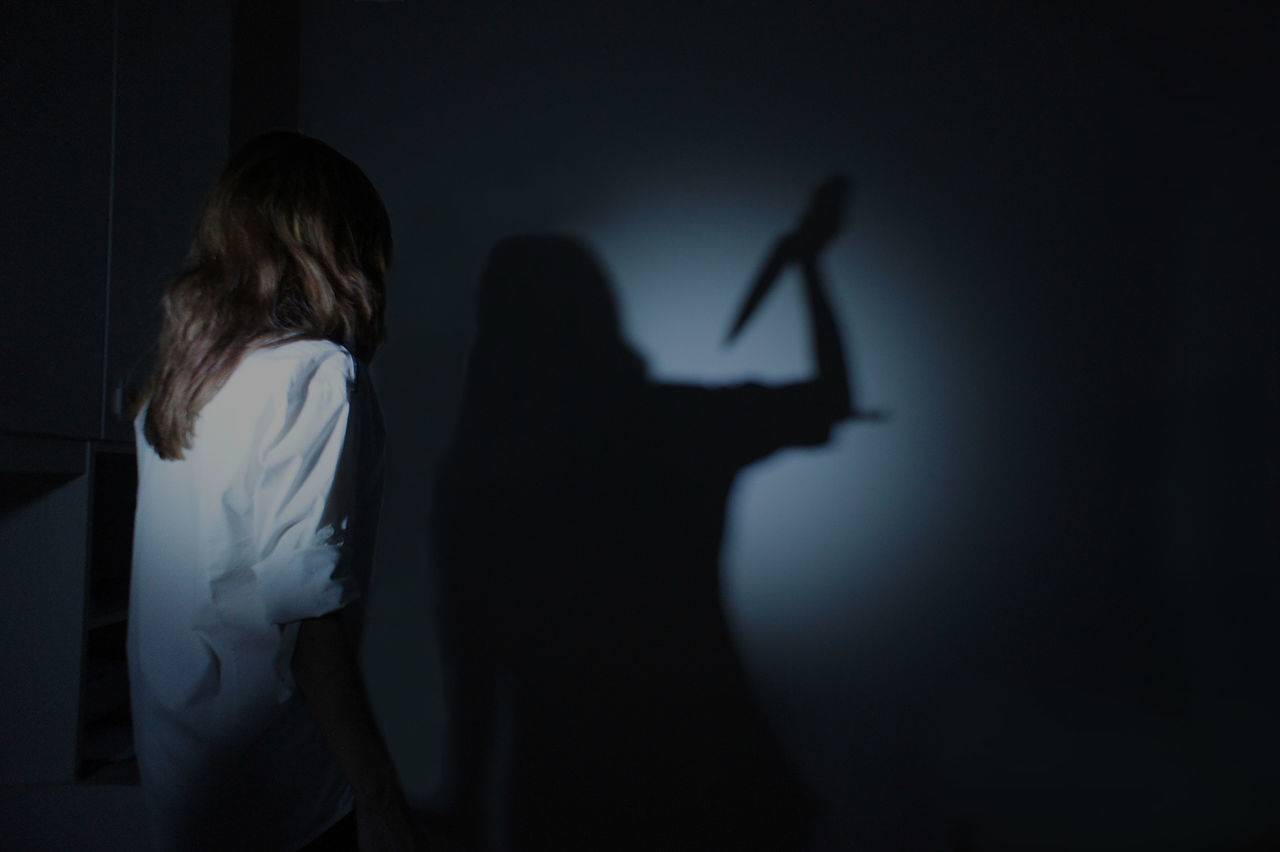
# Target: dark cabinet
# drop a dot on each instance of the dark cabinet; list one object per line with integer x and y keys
{"x": 116, "y": 120}
{"x": 116, "y": 117}
{"x": 172, "y": 117}
{"x": 56, "y": 60}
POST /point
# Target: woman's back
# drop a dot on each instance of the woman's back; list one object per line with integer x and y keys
{"x": 266, "y": 519}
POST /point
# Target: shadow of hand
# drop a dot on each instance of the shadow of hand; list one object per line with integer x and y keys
{"x": 823, "y": 217}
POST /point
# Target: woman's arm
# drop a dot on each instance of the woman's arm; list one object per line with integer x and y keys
{"x": 328, "y": 676}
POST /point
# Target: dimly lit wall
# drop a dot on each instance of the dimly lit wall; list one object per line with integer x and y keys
{"x": 1042, "y": 589}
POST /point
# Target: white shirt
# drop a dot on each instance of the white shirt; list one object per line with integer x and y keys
{"x": 268, "y": 519}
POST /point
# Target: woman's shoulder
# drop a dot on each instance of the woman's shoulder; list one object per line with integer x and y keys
{"x": 299, "y": 356}
{"x": 290, "y": 372}
{"x": 292, "y": 363}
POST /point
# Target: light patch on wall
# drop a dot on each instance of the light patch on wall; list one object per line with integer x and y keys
{"x": 680, "y": 272}
{"x": 862, "y": 525}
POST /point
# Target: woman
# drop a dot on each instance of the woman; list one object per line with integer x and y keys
{"x": 596, "y": 693}
{"x": 259, "y": 467}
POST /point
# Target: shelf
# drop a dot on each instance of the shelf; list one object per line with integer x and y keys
{"x": 107, "y": 617}
{"x": 106, "y": 734}
{"x": 34, "y": 454}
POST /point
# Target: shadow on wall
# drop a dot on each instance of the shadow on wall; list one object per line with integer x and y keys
{"x": 598, "y": 700}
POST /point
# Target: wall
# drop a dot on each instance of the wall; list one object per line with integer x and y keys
{"x": 1037, "y": 590}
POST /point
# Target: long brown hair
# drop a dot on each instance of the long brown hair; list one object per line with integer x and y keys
{"x": 292, "y": 243}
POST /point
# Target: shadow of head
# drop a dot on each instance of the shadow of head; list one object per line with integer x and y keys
{"x": 546, "y": 307}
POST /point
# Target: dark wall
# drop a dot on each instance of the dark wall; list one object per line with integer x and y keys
{"x": 1043, "y": 585}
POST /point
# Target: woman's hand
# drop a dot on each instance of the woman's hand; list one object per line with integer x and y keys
{"x": 329, "y": 678}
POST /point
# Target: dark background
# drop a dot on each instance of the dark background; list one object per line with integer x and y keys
{"x": 1045, "y": 586}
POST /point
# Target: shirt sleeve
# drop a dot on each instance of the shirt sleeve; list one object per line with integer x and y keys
{"x": 297, "y": 518}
